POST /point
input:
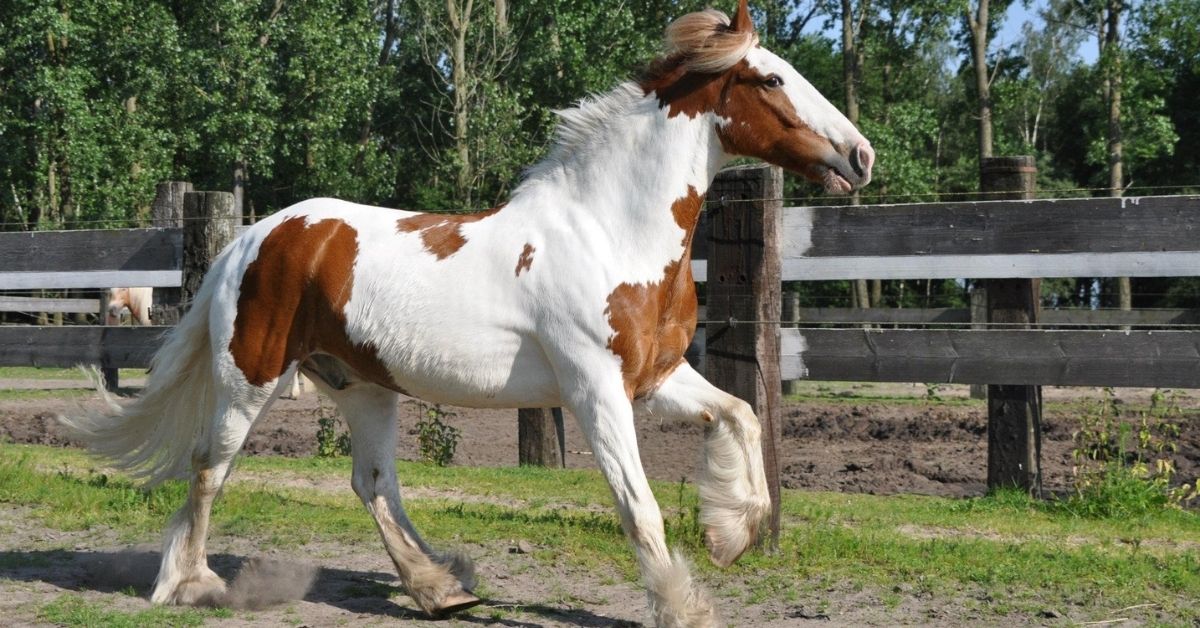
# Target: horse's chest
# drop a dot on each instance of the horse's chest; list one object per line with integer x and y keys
{"x": 653, "y": 324}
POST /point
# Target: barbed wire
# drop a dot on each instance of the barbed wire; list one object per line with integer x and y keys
{"x": 811, "y": 201}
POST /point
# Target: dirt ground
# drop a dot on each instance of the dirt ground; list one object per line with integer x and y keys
{"x": 864, "y": 438}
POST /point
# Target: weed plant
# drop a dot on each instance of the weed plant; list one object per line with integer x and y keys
{"x": 331, "y": 443}
{"x": 1123, "y": 466}
{"x": 437, "y": 439}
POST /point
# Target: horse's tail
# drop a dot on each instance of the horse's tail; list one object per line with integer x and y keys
{"x": 154, "y": 437}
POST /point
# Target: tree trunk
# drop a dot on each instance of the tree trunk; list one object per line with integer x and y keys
{"x": 1110, "y": 58}
{"x": 502, "y": 17}
{"x": 849, "y": 61}
{"x": 385, "y": 54}
{"x": 851, "y": 66}
{"x": 979, "y": 41}
{"x": 239, "y": 187}
{"x": 460, "y": 22}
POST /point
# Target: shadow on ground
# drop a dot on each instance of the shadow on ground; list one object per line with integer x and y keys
{"x": 257, "y": 584}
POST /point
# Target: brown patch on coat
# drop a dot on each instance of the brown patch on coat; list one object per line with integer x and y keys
{"x": 292, "y": 303}
{"x": 525, "y": 262}
{"x": 762, "y": 121}
{"x": 764, "y": 124}
{"x": 681, "y": 92}
{"x": 653, "y": 324}
{"x": 442, "y": 233}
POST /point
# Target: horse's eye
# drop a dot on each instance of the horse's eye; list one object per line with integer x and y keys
{"x": 773, "y": 81}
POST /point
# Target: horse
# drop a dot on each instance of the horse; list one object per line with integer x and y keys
{"x": 138, "y": 301}
{"x": 591, "y": 305}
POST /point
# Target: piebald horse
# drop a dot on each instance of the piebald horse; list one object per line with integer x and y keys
{"x": 578, "y": 293}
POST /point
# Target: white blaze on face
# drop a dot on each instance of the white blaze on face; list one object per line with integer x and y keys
{"x": 811, "y": 107}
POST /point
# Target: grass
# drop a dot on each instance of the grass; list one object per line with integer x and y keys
{"x": 1016, "y": 555}
{"x": 75, "y": 610}
{"x": 27, "y": 372}
{"x": 21, "y": 394}
{"x": 51, "y": 374}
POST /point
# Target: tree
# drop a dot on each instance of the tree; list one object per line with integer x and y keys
{"x": 979, "y": 25}
{"x": 468, "y": 48}
{"x": 232, "y": 103}
{"x": 83, "y": 123}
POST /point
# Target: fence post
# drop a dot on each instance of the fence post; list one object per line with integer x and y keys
{"x": 791, "y": 314}
{"x": 979, "y": 317}
{"x": 111, "y": 376}
{"x": 1014, "y": 412}
{"x": 538, "y": 443}
{"x": 209, "y": 224}
{"x": 744, "y": 269}
{"x": 166, "y": 212}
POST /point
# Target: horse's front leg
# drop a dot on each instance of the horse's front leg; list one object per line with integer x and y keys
{"x": 733, "y": 488}
{"x": 606, "y": 417}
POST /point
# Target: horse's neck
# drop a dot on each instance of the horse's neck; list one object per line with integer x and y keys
{"x": 632, "y": 170}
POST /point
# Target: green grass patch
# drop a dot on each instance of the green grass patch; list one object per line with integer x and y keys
{"x": 1025, "y": 555}
{"x": 23, "y": 394}
{"x": 860, "y": 392}
{"x": 29, "y": 372}
{"x": 74, "y": 610}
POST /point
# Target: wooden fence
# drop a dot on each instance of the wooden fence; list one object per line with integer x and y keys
{"x": 746, "y": 246}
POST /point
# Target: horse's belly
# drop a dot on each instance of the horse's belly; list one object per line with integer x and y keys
{"x": 505, "y": 370}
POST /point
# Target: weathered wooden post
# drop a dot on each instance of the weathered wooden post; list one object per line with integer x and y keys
{"x": 791, "y": 314}
{"x": 1014, "y": 412}
{"x": 167, "y": 213}
{"x": 111, "y": 376}
{"x": 744, "y": 269}
{"x": 538, "y": 443}
{"x": 979, "y": 317}
{"x": 209, "y": 224}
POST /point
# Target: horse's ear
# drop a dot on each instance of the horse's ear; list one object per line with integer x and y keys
{"x": 741, "y": 20}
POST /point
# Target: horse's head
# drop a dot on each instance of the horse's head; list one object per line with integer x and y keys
{"x": 763, "y": 107}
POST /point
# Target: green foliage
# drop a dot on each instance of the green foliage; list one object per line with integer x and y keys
{"x": 1122, "y": 464}
{"x": 330, "y": 442}
{"x": 101, "y": 99}
{"x": 436, "y": 439}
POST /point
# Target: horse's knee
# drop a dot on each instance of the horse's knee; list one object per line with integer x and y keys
{"x": 744, "y": 419}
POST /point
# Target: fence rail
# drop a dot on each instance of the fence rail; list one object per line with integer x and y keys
{"x": 950, "y": 316}
{"x": 1156, "y": 236}
{"x": 91, "y": 259}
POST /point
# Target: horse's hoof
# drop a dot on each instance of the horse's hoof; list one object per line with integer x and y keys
{"x": 206, "y": 589}
{"x": 456, "y": 602}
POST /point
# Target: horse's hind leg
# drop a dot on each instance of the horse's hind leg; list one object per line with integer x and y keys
{"x": 184, "y": 576}
{"x": 438, "y": 584}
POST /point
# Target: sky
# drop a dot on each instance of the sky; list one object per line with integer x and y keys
{"x": 1010, "y": 31}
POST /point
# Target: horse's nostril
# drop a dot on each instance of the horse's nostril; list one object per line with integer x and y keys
{"x": 854, "y": 162}
{"x": 861, "y": 159}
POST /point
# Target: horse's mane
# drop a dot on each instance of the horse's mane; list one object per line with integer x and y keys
{"x": 706, "y": 43}
{"x": 700, "y": 42}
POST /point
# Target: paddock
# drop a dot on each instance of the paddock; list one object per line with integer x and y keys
{"x": 887, "y": 367}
